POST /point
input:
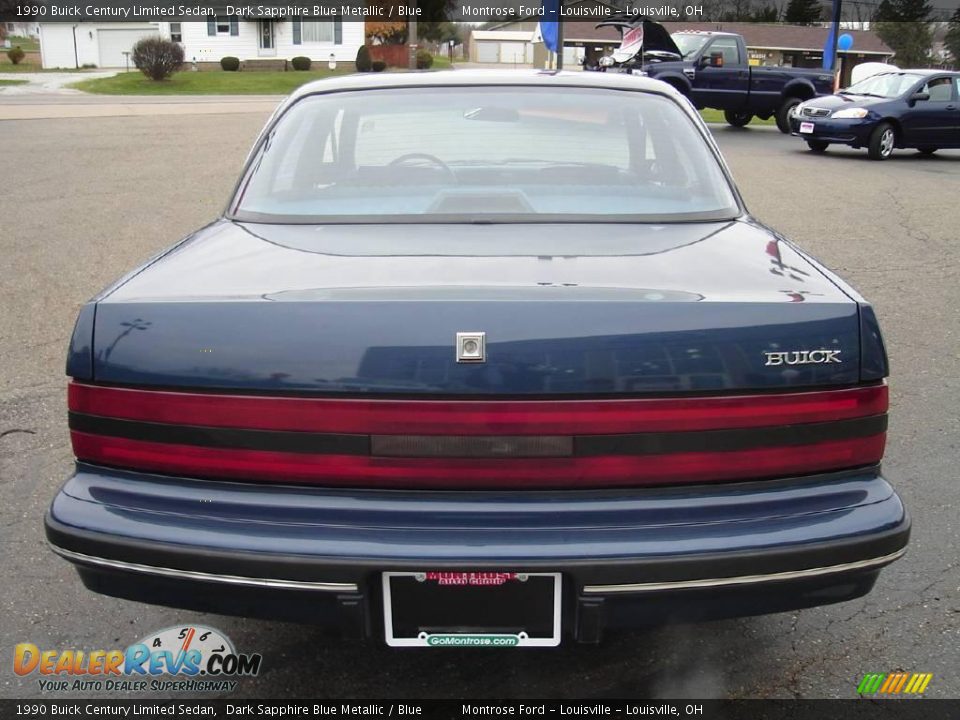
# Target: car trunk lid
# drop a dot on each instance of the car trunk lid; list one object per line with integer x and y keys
{"x": 566, "y": 310}
{"x": 616, "y": 356}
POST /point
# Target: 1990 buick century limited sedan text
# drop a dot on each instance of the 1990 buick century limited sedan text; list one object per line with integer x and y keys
{"x": 480, "y": 358}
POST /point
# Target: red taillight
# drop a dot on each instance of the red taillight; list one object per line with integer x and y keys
{"x": 585, "y": 443}
{"x": 579, "y": 472}
{"x": 477, "y": 417}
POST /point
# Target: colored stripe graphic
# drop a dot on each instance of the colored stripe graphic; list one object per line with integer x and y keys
{"x": 870, "y": 683}
{"x": 923, "y": 679}
{"x": 894, "y": 683}
{"x": 891, "y": 681}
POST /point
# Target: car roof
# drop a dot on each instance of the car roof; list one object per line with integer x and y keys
{"x": 920, "y": 71}
{"x": 461, "y": 78}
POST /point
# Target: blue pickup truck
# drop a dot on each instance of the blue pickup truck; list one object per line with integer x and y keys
{"x": 713, "y": 70}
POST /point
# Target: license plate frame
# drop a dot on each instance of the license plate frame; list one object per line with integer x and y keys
{"x": 807, "y": 128}
{"x": 497, "y": 593}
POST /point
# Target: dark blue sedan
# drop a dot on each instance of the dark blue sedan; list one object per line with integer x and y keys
{"x": 905, "y": 109}
{"x": 480, "y": 359}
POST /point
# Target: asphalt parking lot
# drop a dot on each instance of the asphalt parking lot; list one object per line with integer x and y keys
{"x": 86, "y": 199}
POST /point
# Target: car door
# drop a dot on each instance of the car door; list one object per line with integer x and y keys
{"x": 723, "y": 86}
{"x": 931, "y": 122}
{"x": 955, "y": 131}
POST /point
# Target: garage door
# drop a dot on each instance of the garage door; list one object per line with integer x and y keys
{"x": 56, "y": 45}
{"x": 513, "y": 52}
{"x": 488, "y": 52}
{"x": 114, "y": 43}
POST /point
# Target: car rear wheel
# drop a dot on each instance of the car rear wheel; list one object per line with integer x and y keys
{"x": 882, "y": 140}
{"x": 927, "y": 150}
{"x": 783, "y": 114}
{"x": 737, "y": 119}
{"x": 817, "y": 146}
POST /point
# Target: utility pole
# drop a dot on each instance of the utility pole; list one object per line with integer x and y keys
{"x": 412, "y": 39}
{"x": 834, "y": 39}
{"x": 836, "y": 14}
{"x": 560, "y": 36}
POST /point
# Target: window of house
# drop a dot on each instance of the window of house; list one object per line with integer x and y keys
{"x": 221, "y": 26}
{"x": 317, "y": 32}
{"x": 176, "y": 32}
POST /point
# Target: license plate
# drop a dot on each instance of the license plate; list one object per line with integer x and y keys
{"x": 471, "y": 609}
{"x": 806, "y": 127}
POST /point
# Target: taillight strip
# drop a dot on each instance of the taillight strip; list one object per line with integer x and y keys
{"x": 473, "y": 444}
{"x": 474, "y": 473}
{"x": 477, "y": 417}
{"x": 649, "y": 443}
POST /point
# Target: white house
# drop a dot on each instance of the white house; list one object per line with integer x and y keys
{"x": 66, "y": 45}
{"x": 22, "y": 29}
{"x": 73, "y": 45}
{"x": 265, "y": 39}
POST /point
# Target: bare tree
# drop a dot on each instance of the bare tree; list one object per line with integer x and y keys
{"x": 714, "y": 9}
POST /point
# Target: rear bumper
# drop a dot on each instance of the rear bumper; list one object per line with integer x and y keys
{"x": 628, "y": 557}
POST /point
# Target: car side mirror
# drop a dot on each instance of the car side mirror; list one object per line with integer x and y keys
{"x": 919, "y": 97}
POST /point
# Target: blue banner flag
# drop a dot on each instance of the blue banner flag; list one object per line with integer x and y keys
{"x": 830, "y": 49}
{"x": 548, "y": 27}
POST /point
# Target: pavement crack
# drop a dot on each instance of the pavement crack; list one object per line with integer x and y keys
{"x": 902, "y": 219}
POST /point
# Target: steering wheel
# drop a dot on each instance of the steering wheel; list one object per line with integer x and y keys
{"x": 432, "y": 159}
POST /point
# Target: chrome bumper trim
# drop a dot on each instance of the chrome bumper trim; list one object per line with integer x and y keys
{"x": 744, "y": 579}
{"x": 588, "y": 589}
{"x": 76, "y": 557}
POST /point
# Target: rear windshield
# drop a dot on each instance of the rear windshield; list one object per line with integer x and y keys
{"x": 502, "y": 154}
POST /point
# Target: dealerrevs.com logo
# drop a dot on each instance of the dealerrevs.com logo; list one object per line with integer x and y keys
{"x": 188, "y": 658}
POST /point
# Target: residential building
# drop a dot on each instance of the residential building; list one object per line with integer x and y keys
{"x": 67, "y": 45}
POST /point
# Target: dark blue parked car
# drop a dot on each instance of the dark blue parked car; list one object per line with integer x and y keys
{"x": 480, "y": 358}
{"x": 905, "y": 109}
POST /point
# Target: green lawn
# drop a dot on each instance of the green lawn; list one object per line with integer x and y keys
{"x": 5, "y": 83}
{"x": 216, "y": 82}
{"x": 24, "y": 67}
{"x": 208, "y": 83}
{"x": 716, "y": 116}
{"x": 25, "y": 43}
